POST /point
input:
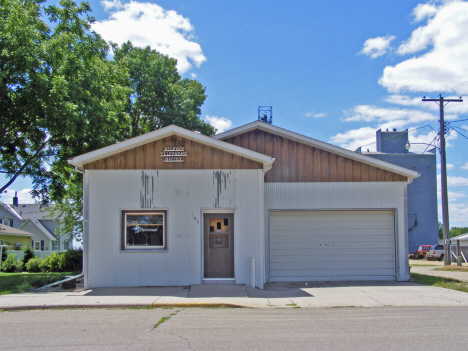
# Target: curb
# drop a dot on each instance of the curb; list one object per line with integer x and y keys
{"x": 130, "y": 306}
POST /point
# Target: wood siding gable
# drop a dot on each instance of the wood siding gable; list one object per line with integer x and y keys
{"x": 199, "y": 156}
{"x": 298, "y": 162}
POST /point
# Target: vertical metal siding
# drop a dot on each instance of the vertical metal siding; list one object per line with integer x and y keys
{"x": 342, "y": 196}
{"x": 184, "y": 193}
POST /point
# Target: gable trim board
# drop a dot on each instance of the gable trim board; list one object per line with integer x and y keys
{"x": 41, "y": 228}
{"x": 80, "y": 161}
{"x": 319, "y": 145}
{"x": 186, "y": 193}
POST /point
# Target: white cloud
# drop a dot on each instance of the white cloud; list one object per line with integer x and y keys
{"x": 23, "y": 196}
{"x": 444, "y": 62}
{"x": 220, "y": 123}
{"x": 458, "y": 214}
{"x": 451, "y": 110}
{"x": 465, "y": 166}
{"x": 375, "y": 47}
{"x": 455, "y": 181}
{"x": 397, "y": 117}
{"x": 352, "y": 139}
{"x": 315, "y": 115}
{"x": 452, "y": 196}
{"x": 423, "y": 11}
{"x": 144, "y": 24}
{"x": 448, "y": 165}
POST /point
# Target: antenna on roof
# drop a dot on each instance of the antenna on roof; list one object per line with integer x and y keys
{"x": 265, "y": 114}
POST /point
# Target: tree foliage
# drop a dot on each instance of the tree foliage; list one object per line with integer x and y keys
{"x": 159, "y": 97}
{"x": 61, "y": 96}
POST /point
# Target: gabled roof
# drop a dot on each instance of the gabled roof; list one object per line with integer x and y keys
{"x": 32, "y": 211}
{"x": 10, "y": 210}
{"x": 80, "y": 161}
{"x": 5, "y": 230}
{"x": 319, "y": 145}
{"x": 39, "y": 226}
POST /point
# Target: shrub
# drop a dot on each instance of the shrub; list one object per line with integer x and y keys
{"x": 28, "y": 253}
{"x": 34, "y": 265}
{"x": 51, "y": 263}
{"x": 19, "y": 265}
{"x": 9, "y": 265}
{"x": 72, "y": 261}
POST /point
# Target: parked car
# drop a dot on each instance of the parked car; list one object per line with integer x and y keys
{"x": 436, "y": 252}
{"x": 422, "y": 251}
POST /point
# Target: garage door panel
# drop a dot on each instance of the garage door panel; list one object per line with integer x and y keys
{"x": 292, "y": 226}
{"x": 343, "y": 273}
{"x": 329, "y": 252}
{"x": 304, "y": 234}
{"x": 327, "y": 215}
{"x": 279, "y": 266}
{"x": 332, "y": 245}
{"x": 333, "y": 278}
{"x": 321, "y": 245}
{"x": 335, "y": 258}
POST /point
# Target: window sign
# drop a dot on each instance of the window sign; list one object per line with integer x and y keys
{"x": 144, "y": 230}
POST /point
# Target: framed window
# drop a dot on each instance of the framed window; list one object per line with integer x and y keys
{"x": 55, "y": 246}
{"x": 143, "y": 229}
{"x": 37, "y": 245}
{"x": 6, "y": 221}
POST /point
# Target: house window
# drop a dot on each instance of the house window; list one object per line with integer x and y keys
{"x": 37, "y": 245}
{"x": 6, "y": 221}
{"x": 55, "y": 246}
{"x": 144, "y": 230}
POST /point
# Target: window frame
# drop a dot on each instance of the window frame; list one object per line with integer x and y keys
{"x": 123, "y": 230}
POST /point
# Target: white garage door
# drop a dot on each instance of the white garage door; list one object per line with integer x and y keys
{"x": 332, "y": 245}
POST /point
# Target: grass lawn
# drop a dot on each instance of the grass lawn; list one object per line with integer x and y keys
{"x": 440, "y": 282}
{"x": 11, "y": 283}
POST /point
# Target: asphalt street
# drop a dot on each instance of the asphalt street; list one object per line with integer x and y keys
{"x": 376, "y": 328}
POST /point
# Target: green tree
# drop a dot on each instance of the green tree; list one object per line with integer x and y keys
{"x": 60, "y": 96}
{"x": 455, "y": 231}
{"x": 159, "y": 97}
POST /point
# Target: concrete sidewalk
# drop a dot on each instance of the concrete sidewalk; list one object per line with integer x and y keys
{"x": 275, "y": 295}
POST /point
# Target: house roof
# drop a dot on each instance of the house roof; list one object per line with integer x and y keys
{"x": 80, "y": 161}
{"x": 460, "y": 237}
{"x": 319, "y": 145}
{"x": 39, "y": 226}
{"x": 10, "y": 210}
{"x": 5, "y": 230}
{"x": 31, "y": 211}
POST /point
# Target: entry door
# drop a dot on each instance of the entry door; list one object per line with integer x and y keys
{"x": 219, "y": 245}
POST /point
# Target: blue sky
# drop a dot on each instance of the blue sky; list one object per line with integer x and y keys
{"x": 336, "y": 71}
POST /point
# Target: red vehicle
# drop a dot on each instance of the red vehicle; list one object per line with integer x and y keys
{"x": 422, "y": 251}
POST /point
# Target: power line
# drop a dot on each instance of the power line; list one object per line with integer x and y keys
{"x": 461, "y": 132}
{"x": 459, "y": 120}
{"x": 412, "y": 130}
{"x": 430, "y": 144}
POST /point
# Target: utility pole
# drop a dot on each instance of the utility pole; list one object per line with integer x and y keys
{"x": 443, "y": 177}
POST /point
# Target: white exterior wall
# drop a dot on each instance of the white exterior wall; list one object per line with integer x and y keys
{"x": 186, "y": 194}
{"x": 343, "y": 196}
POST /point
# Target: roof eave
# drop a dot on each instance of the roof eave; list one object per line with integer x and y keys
{"x": 321, "y": 145}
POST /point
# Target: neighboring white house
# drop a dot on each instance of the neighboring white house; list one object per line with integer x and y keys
{"x": 462, "y": 238}
{"x": 9, "y": 217}
{"x": 255, "y": 204}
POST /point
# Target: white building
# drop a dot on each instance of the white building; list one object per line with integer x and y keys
{"x": 174, "y": 207}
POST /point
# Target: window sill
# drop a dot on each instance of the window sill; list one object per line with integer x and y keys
{"x": 143, "y": 250}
